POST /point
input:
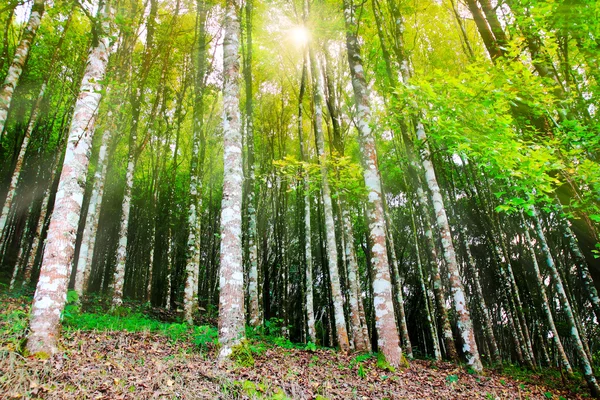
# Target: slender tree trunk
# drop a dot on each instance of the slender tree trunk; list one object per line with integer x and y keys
{"x": 50, "y": 296}
{"x": 16, "y": 68}
{"x": 483, "y": 309}
{"x": 253, "y": 309}
{"x": 332, "y": 256}
{"x": 545, "y": 304}
{"x": 583, "y": 267}
{"x": 586, "y": 365}
{"x": 399, "y": 288}
{"x": 137, "y": 99}
{"x": 91, "y": 222}
{"x": 42, "y": 223}
{"x": 119, "y": 274}
{"x": 385, "y": 322}
{"x": 190, "y": 299}
{"x": 12, "y": 189}
{"x": 432, "y": 331}
{"x": 360, "y": 341}
{"x": 231, "y": 276}
{"x": 438, "y": 288}
{"x": 465, "y": 326}
{"x": 310, "y": 313}
{"x": 32, "y": 121}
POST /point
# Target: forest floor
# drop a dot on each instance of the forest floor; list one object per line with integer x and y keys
{"x": 134, "y": 357}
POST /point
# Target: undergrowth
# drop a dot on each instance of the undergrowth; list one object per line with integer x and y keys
{"x": 550, "y": 377}
{"x": 124, "y": 319}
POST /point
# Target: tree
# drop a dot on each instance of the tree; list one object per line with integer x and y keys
{"x": 231, "y": 274}
{"x": 16, "y": 67}
{"x": 51, "y": 291}
{"x": 387, "y": 331}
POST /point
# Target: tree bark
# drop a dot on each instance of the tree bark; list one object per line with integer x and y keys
{"x": 50, "y": 296}
{"x": 16, "y": 68}
{"x": 438, "y": 288}
{"x": 310, "y": 313}
{"x": 190, "y": 299}
{"x": 231, "y": 275}
{"x": 586, "y": 365}
{"x": 545, "y": 303}
{"x": 385, "y": 321}
{"x": 430, "y": 323}
{"x": 253, "y": 309}
{"x": 465, "y": 326}
{"x": 332, "y": 255}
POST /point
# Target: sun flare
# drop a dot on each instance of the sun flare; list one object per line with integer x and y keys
{"x": 300, "y": 35}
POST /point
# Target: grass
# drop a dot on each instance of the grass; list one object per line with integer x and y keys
{"x": 550, "y": 377}
{"x": 73, "y": 320}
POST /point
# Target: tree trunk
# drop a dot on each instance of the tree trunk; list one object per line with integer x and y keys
{"x": 361, "y": 343}
{"x": 583, "y": 267}
{"x": 332, "y": 255}
{"x": 137, "y": 99}
{"x": 253, "y": 310}
{"x": 399, "y": 288}
{"x": 231, "y": 276}
{"x": 385, "y": 322}
{"x": 483, "y": 309}
{"x": 50, "y": 296}
{"x": 430, "y": 323}
{"x": 545, "y": 304}
{"x": 310, "y": 313}
{"x": 586, "y": 365}
{"x": 465, "y": 326}
{"x": 190, "y": 299}
{"x": 91, "y": 222}
{"x": 21, "y": 54}
{"x": 438, "y": 288}
{"x": 12, "y": 188}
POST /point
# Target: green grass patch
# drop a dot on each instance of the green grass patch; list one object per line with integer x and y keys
{"x": 550, "y": 377}
{"x": 123, "y": 319}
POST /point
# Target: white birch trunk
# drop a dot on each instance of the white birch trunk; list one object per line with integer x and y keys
{"x": 231, "y": 272}
{"x": 190, "y": 295}
{"x": 16, "y": 68}
{"x": 91, "y": 221}
{"x": 430, "y": 321}
{"x": 332, "y": 256}
{"x": 388, "y": 340}
{"x": 12, "y": 189}
{"x": 119, "y": 274}
{"x": 465, "y": 325}
{"x": 545, "y": 304}
{"x": 586, "y": 365}
{"x": 360, "y": 342}
{"x": 51, "y": 292}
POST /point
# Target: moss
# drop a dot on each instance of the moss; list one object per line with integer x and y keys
{"x": 242, "y": 354}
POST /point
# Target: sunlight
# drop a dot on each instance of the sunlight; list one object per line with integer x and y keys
{"x": 300, "y": 35}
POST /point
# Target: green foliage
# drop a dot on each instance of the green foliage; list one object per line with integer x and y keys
{"x": 383, "y": 364}
{"x": 13, "y": 329}
{"x": 361, "y": 372}
{"x": 126, "y": 320}
{"x": 242, "y": 355}
{"x": 205, "y": 337}
{"x": 452, "y": 379}
{"x": 549, "y": 377}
